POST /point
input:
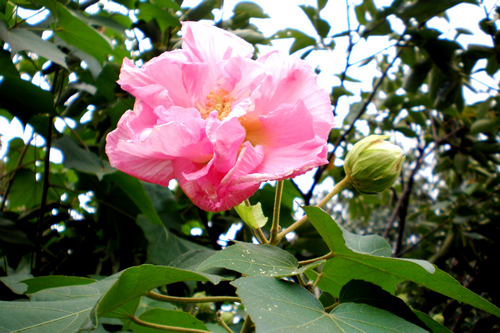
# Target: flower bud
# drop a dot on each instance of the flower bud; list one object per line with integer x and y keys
{"x": 373, "y": 164}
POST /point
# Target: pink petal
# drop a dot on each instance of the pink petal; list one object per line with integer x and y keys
{"x": 289, "y": 80}
{"x": 210, "y": 44}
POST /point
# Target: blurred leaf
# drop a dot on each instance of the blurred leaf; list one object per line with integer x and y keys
{"x": 301, "y": 39}
{"x": 25, "y": 40}
{"x": 75, "y": 32}
{"x": 285, "y": 307}
{"x": 7, "y": 68}
{"x": 249, "y": 8}
{"x": 80, "y": 158}
{"x": 406, "y": 131}
{"x": 149, "y": 11}
{"x": 423, "y": 10}
{"x": 201, "y": 11}
{"x": 385, "y": 272}
{"x": 257, "y": 260}
{"x": 322, "y": 4}
{"x": 253, "y": 216}
{"x": 417, "y": 75}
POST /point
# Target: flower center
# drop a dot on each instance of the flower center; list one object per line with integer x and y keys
{"x": 217, "y": 100}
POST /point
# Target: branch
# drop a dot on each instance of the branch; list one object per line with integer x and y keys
{"x": 362, "y": 110}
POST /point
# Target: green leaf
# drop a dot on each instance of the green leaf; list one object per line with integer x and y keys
{"x": 23, "y": 99}
{"x": 423, "y": 10}
{"x": 6, "y": 66}
{"x": 167, "y": 318}
{"x": 75, "y": 32}
{"x": 53, "y": 281}
{"x": 284, "y": 307}
{"x": 251, "y": 9}
{"x": 385, "y": 272}
{"x": 134, "y": 189}
{"x": 256, "y": 260}
{"x": 136, "y": 281}
{"x": 322, "y": 4}
{"x": 406, "y": 131}
{"x": 253, "y": 216}
{"x": 15, "y": 282}
{"x": 63, "y": 309}
{"x": 301, "y": 39}
{"x": 201, "y": 11}
{"x": 190, "y": 261}
{"x": 25, "y": 40}
{"x": 81, "y": 159}
{"x": 149, "y": 11}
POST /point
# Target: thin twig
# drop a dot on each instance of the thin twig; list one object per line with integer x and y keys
{"x": 276, "y": 213}
{"x": 222, "y": 323}
{"x": 165, "y": 327}
{"x": 326, "y": 256}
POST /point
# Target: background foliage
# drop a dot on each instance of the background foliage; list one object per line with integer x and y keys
{"x": 82, "y": 218}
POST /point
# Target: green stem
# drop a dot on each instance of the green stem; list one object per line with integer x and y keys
{"x": 326, "y": 256}
{"x": 257, "y": 232}
{"x": 336, "y": 190}
{"x": 331, "y": 307}
{"x": 173, "y": 299}
{"x": 165, "y": 327}
{"x": 222, "y": 323}
{"x": 276, "y": 214}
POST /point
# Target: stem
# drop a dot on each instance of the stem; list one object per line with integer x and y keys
{"x": 336, "y": 190}
{"x": 331, "y": 307}
{"x": 164, "y": 327}
{"x": 247, "y": 325}
{"x": 276, "y": 215}
{"x": 326, "y": 256}
{"x": 317, "y": 281}
{"x": 222, "y": 323}
{"x": 209, "y": 299}
{"x": 18, "y": 166}
{"x": 257, "y": 232}
{"x": 45, "y": 191}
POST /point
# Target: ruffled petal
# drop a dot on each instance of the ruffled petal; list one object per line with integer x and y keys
{"x": 290, "y": 79}
{"x": 209, "y": 44}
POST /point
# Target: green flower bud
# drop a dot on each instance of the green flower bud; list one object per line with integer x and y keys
{"x": 373, "y": 165}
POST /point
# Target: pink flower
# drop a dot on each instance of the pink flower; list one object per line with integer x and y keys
{"x": 219, "y": 122}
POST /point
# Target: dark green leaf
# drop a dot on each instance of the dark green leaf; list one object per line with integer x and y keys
{"x": 431, "y": 323}
{"x": 359, "y": 291}
{"x": 134, "y": 189}
{"x": 23, "y": 99}
{"x": 54, "y": 281}
{"x": 251, "y": 9}
{"x": 167, "y": 318}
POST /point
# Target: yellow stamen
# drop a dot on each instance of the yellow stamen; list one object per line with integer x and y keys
{"x": 219, "y": 101}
